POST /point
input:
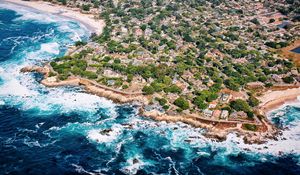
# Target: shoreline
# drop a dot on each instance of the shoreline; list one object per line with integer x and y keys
{"x": 216, "y": 129}
{"x": 93, "y": 25}
{"x": 274, "y": 100}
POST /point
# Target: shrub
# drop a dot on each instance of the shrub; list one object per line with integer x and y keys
{"x": 250, "y": 127}
{"x": 268, "y": 85}
{"x": 125, "y": 86}
{"x": 52, "y": 74}
{"x": 89, "y": 74}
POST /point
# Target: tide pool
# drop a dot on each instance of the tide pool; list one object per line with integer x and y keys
{"x": 67, "y": 131}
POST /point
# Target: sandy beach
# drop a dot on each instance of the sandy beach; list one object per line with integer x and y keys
{"x": 272, "y": 100}
{"x": 88, "y": 20}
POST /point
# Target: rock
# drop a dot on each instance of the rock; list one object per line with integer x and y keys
{"x": 135, "y": 161}
{"x": 105, "y": 131}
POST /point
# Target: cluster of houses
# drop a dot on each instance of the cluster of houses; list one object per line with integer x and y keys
{"x": 216, "y": 23}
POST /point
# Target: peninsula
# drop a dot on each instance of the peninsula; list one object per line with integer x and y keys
{"x": 212, "y": 64}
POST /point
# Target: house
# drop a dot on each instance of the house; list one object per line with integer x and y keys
{"x": 225, "y": 97}
{"x": 111, "y": 82}
{"x": 213, "y": 105}
{"x": 276, "y": 77}
{"x": 255, "y": 85}
{"x": 216, "y": 114}
{"x": 224, "y": 114}
{"x": 208, "y": 112}
{"x": 239, "y": 114}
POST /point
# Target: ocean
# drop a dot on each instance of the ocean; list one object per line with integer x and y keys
{"x": 67, "y": 131}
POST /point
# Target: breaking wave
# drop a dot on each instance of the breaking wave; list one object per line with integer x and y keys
{"x": 65, "y": 130}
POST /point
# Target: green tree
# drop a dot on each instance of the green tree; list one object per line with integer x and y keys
{"x": 288, "y": 79}
{"x": 253, "y": 101}
{"x": 86, "y": 7}
{"x": 199, "y": 101}
{"x": 240, "y": 105}
{"x": 143, "y": 27}
{"x": 173, "y": 89}
{"x": 232, "y": 85}
{"x": 271, "y": 20}
{"x": 182, "y": 103}
{"x": 147, "y": 90}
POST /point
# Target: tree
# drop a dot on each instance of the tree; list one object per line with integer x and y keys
{"x": 232, "y": 85}
{"x": 143, "y": 27}
{"x": 85, "y": 7}
{"x": 162, "y": 101}
{"x": 288, "y": 79}
{"x": 64, "y": 2}
{"x": 199, "y": 101}
{"x": 271, "y": 20}
{"x": 253, "y": 101}
{"x": 255, "y": 21}
{"x": 182, "y": 103}
{"x": 172, "y": 89}
{"x": 211, "y": 96}
{"x": 147, "y": 90}
{"x": 80, "y": 43}
{"x": 158, "y": 87}
{"x": 240, "y": 105}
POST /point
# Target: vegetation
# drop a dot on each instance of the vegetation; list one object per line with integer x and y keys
{"x": 185, "y": 52}
{"x": 250, "y": 127}
{"x": 86, "y": 7}
{"x": 182, "y": 103}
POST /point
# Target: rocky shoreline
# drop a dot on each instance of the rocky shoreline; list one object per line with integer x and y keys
{"x": 217, "y": 130}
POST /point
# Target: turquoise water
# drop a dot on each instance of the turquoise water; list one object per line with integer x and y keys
{"x": 66, "y": 131}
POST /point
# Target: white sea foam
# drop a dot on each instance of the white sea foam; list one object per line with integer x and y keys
{"x": 14, "y": 88}
{"x": 286, "y": 144}
{"x": 107, "y": 137}
{"x": 52, "y": 48}
{"x": 22, "y": 90}
{"x": 80, "y": 170}
{"x": 131, "y": 166}
{"x": 2, "y": 103}
{"x": 77, "y": 30}
{"x": 28, "y": 13}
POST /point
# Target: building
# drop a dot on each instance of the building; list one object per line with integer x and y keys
{"x": 216, "y": 114}
{"x": 224, "y": 114}
{"x": 208, "y": 113}
{"x": 225, "y": 97}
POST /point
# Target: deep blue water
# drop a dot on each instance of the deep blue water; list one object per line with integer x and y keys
{"x": 297, "y": 50}
{"x": 66, "y": 131}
